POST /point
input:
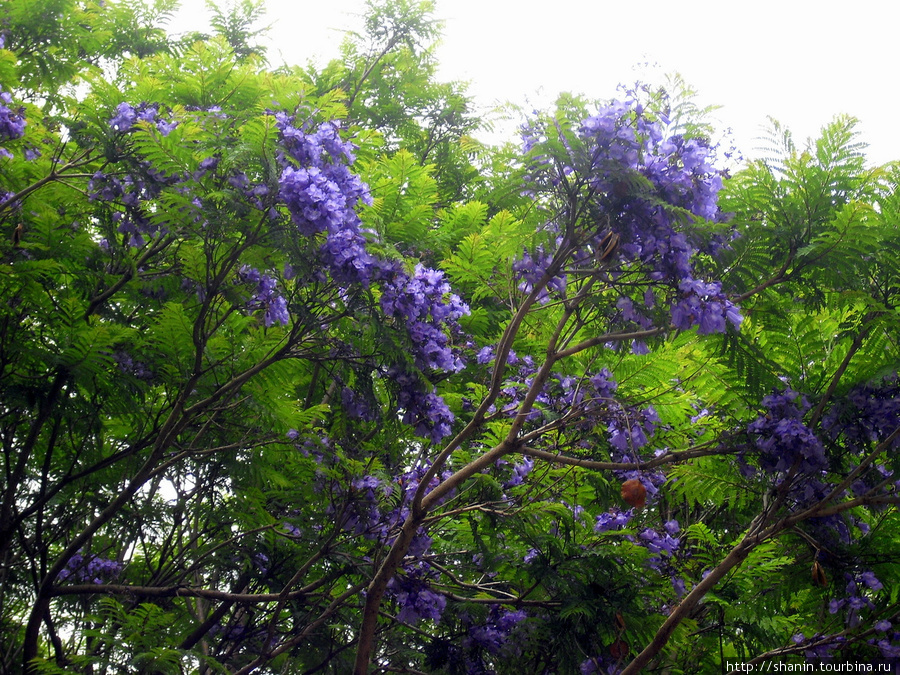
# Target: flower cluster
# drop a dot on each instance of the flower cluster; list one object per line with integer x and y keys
{"x": 644, "y": 185}
{"x": 415, "y": 597}
{"x": 127, "y": 116}
{"x": 888, "y": 640}
{"x": 818, "y": 646}
{"x": 782, "y": 438}
{"x": 12, "y": 122}
{"x": 424, "y": 409}
{"x": 531, "y": 268}
{"x": 590, "y": 397}
{"x": 493, "y": 634}
{"x": 858, "y": 590}
{"x": 321, "y": 194}
{"x": 131, "y": 191}
{"x": 662, "y": 545}
{"x": 704, "y": 305}
{"x": 600, "y": 665}
{"x": 633, "y": 430}
{"x": 519, "y": 472}
{"x": 868, "y": 414}
{"x": 376, "y": 508}
{"x": 424, "y": 304}
{"x": 613, "y": 520}
{"x": 90, "y": 568}
{"x": 131, "y": 367}
{"x": 265, "y": 296}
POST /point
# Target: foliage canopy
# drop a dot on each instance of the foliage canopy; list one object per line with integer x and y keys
{"x": 296, "y": 376}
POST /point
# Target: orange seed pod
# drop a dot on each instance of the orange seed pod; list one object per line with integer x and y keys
{"x": 634, "y": 493}
{"x": 619, "y": 649}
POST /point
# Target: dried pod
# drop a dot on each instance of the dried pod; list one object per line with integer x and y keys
{"x": 634, "y": 493}
{"x": 620, "y": 622}
{"x": 608, "y": 246}
{"x": 818, "y": 574}
{"x": 619, "y": 649}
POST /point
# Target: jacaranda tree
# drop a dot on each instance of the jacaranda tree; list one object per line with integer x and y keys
{"x": 295, "y": 377}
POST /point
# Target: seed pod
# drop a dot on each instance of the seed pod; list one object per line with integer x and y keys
{"x": 634, "y": 493}
{"x": 818, "y": 575}
{"x": 620, "y": 622}
{"x": 607, "y": 247}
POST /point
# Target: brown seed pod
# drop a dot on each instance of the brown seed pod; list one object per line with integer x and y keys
{"x": 619, "y": 649}
{"x": 608, "y": 246}
{"x": 818, "y": 575}
{"x": 634, "y": 492}
{"x": 620, "y": 622}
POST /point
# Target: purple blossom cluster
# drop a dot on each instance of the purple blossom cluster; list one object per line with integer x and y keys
{"x": 131, "y": 367}
{"x": 888, "y": 640}
{"x": 321, "y": 194}
{"x": 12, "y": 122}
{"x": 600, "y": 665}
{"x": 531, "y": 268}
{"x": 591, "y": 397}
{"x": 703, "y": 304}
{"x": 127, "y": 116}
{"x": 415, "y": 597}
{"x": 494, "y": 634}
{"x": 781, "y": 437}
{"x": 376, "y": 508}
{"x": 519, "y": 472}
{"x": 265, "y": 297}
{"x": 822, "y": 647}
{"x": 90, "y": 568}
{"x": 622, "y": 138}
{"x": 645, "y": 184}
{"x": 425, "y": 304}
{"x": 357, "y": 406}
{"x": 632, "y": 431}
{"x": 366, "y": 516}
{"x": 429, "y": 312}
{"x": 818, "y": 646}
{"x": 868, "y": 414}
{"x": 859, "y": 591}
{"x": 613, "y": 520}
{"x": 423, "y": 408}
{"x": 131, "y": 191}
{"x": 662, "y": 545}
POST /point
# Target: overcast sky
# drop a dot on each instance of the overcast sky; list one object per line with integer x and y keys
{"x": 799, "y": 61}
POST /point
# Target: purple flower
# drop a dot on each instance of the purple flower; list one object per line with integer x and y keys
{"x": 415, "y": 599}
{"x": 782, "y": 438}
{"x": 870, "y": 580}
{"x": 90, "y": 568}
{"x": 265, "y": 296}
{"x": 612, "y": 520}
{"x": 519, "y": 472}
{"x": 124, "y": 118}
{"x": 165, "y": 128}
{"x": 12, "y": 123}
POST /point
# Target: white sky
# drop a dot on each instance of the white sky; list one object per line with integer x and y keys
{"x": 799, "y": 61}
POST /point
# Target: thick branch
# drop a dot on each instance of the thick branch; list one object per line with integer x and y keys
{"x": 174, "y": 592}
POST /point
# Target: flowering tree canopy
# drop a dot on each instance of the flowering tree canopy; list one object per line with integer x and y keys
{"x": 296, "y": 376}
